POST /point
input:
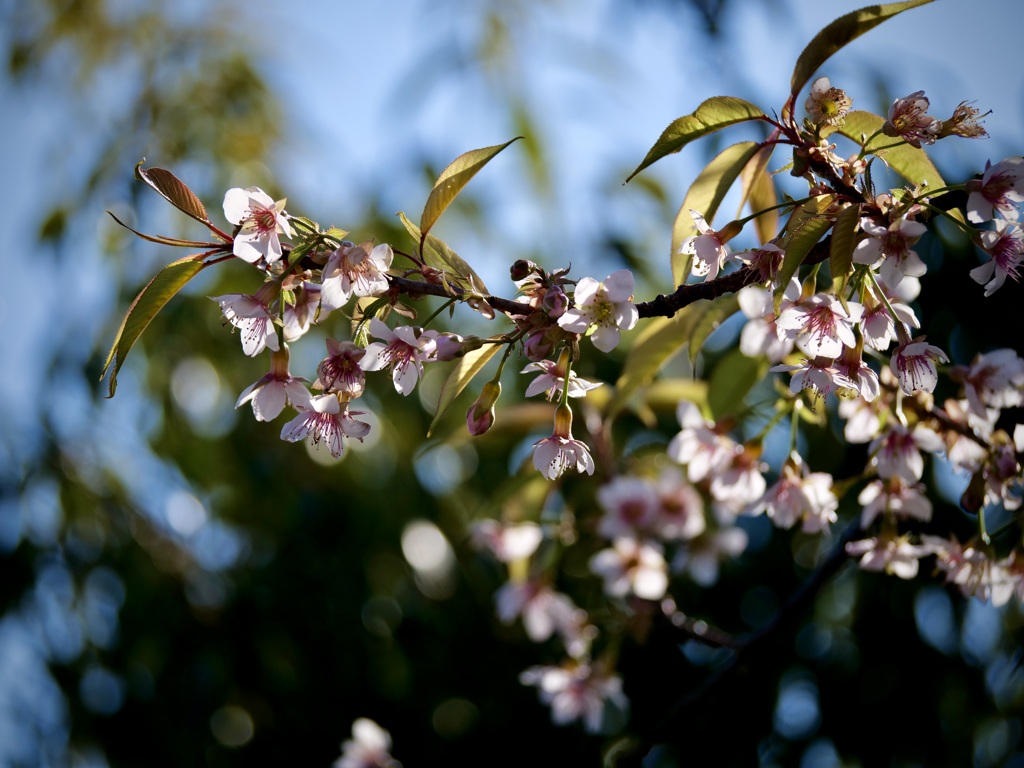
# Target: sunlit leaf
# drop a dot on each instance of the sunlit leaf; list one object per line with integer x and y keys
{"x": 837, "y": 34}
{"x": 733, "y": 377}
{"x": 178, "y": 242}
{"x": 759, "y": 190}
{"x": 453, "y": 179}
{"x": 173, "y": 190}
{"x": 720, "y": 310}
{"x": 436, "y": 253}
{"x": 464, "y": 371}
{"x": 151, "y": 299}
{"x": 715, "y": 113}
{"x": 661, "y": 339}
{"x": 705, "y": 195}
{"x": 844, "y": 240}
{"x": 912, "y": 163}
{"x": 805, "y": 228}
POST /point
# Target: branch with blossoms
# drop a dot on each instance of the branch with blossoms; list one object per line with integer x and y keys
{"x": 826, "y": 294}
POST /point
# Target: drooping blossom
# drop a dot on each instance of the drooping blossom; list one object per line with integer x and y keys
{"x": 355, "y": 270}
{"x": 821, "y": 374}
{"x": 261, "y": 221}
{"x": 702, "y": 557}
{"x": 800, "y": 496}
{"x": 632, "y": 566}
{"x": 631, "y": 506}
{"x": 877, "y": 325}
{"x": 765, "y": 260}
{"x": 403, "y": 350}
{"x": 827, "y": 105}
{"x": 552, "y": 380}
{"x": 1005, "y": 246}
{"x": 740, "y": 481}
{"x": 340, "y": 370}
{"x": 369, "y": 747}
{"x": 897, "y": 451}
{"x": 993, "y": 380}
{"x": 707, "y": 249}
{"x": 577, "y": 690}
{"x": 892, "y": 246}
{"x": 760, "y": 334}
{"x": 913, "y": 362}
{"x": 553, "y": 455}
{"x": 251, "y": 315}
{"x": 697, "y": 445}
{"x": 324, "y": 418}
{"x": 602, "y": 309}
{"x": 973, "y": 570}
{"x": 270, "y": 393}
{"x": 964, "y": 122}
{"x": 821, "y": 324}
{"x": 889, "y": 553}
{"x": 298, "y": 316}
{"x": 852, "y": 366}
{"x": 480, "y": 415}
{"x": 681, "y": 509}
{"x": 999, "y": 190}
{"x": 544, "y": 612}
{"x": 863, "y": 419}
{"x": 908, "y": 120}
{"x": 895, "y": 497}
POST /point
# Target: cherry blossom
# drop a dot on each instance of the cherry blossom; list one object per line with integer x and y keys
{"x": 891, "y": 246}
{"x": 270, "y": 393}
{"x": 974, "y": 572}
{"x": 701, "y": 557}
{"x": 552, "y": 380}
{"x": 681, "y": 510}
{"x": 800, "y": 496}
{"x": 355, "y": 270}
{"x": 889, "y": 553}
{"x": 822, "y": 374}
{"x": 403, "y": 350}
{"x": 323, "y": 418}
{"x": 480, "y": 416}
{"x": 369, "y": 747}
{"x": 761, "y": 335}
{"x": 964, "y": 122}
{"x": 553, "y": 455}
{"x": 897, "y": 451}
{"x": 631, "y": 505}
{"x": 260, "y": 221}
{"x": 544, "y": 611}
{"x": 765, "y": 261}
{"x": 252, "y": 317}
{"x": 707, "y": 249}
{"x": 896, "y": 497}
{"x": 298, "y": 316}
{"x": 632, "y": 566}
{"x": 862, "y": 419}
{"x": 827, "y": 105}
{"x": 698, "y": 445}
{"x": 852, "y": 366}
{"x": 1005, "y": 244}
{"x": 577, "y": 690}
{"x": 993, "y": 380}
{"x": 999, "y": 190}
{"x": 821, "y": 324}
{"x": 340, "y": 370}
{"x": 507, "y": 541}
{"x": 877, "y": 325}
{"x": 913, "y": 362}
{"x": 908, "y": 120}
{"x": 602, "y": 309}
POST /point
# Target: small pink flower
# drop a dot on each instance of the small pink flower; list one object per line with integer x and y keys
{"x": 821, "y": 325}
{"x": 761, "y": 335}
{"x": 897, "y": 452}
{"x": 324, "y": 418}
{"x": 1005, "y": 245}
{"x": 802, "y": 497}
{"x": 403, "y": 350}
{"x": 765, "y": 261}
{"x": 821, "y": 374}
{"x": 602, "y": 309}
{"x": 252, "y": 317}
{"x": 507, "y": 541}
{"x": 577, "y": 690}
{"x": 553, "y": 455}
{"x": 369, "y": 747}
{"x": 827, "y": 105}
{"x": 999, "y": 190}
{"x": 355, "y": 270}
{"x": 973, "y": 571}
{"x": 681, "y": 512}
{"x": 913, "y": 362}
{"x": 270, "y": 393}
{"x": 703, "y": 450}
{"x": 889, "y": 553}
{"x": 298, "y": 317}
{"x": 631, "y": 506}
{"x": 895, "y": 497}
{"x": 552, "y": 380}
{"x": 340, "y": 370}
{"x": 632, "y": 566}
{"x": 852, "y": 366}
{"x": 544, "y": 611}
{"x": 891, "y": 245}
{"x": 260, "y": 219}
{"x": 480, "y": 416}
{"x": 908, "y": 120}
{"x": 993, "y": 380}
{"x": 708, "y": 250}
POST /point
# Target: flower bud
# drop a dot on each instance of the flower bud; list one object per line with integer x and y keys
{"x": 522, "y": 269}
{"x": 480, "y": 416}
{"x": 555, "y": 302}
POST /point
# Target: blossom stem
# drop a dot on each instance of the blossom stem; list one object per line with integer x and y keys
{"x": 440, "y": 309}
{"x": 982, "y": 530}
{"x": 901, "y": 328}
{"x": 787, "y": 204}
{"x": 966, "y": 228}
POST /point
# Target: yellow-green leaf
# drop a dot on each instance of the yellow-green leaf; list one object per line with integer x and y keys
{"x": 759, "y": 191}
{"x": 731, "y": 380}
{"x": 464, "y": 371}
{"x": 715, "y": 113}
{"x": 722, "y": 308}
{"x": 704, "y": 196}
{"x": 844, "y": 240}
{"x": 911, "y": 163}
{"x": 173, "y": 190}
{"x": 151, "y": 299}
{"x": 453, "y": 179}
{"x": 837, "y": 34}
{"x": 436, "y": 253}
{"x": 805, "y": 228}
{"x": 661, "y": 339}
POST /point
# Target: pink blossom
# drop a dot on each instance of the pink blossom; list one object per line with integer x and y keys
{"x": 260, "y": 221}
{"x": 270, "y": 393}
{"x": 480, "y": 415}
{"x": 298, "y": 316}
{"x": 889, "y": 553}
{"x": 913, "y": 362}
{"x": 891, "y": 246}
{"x": 862, "y": 419}
{"x": 800, "y": 496}
{"x": 369, "y": 747}
{"x": 761, "y": 335}
{"x": 765, "y": 261}
{"x": 632, "y": 566}
{"x": 707, "y": 249}
{"x": 507, "y": 541}
{"x": 681, "y": 510}
{"x": 602, "y": 309}
{"x": 1005, "y": 245}
{"x": 698, "y": 445}
{"x": 552, "y": 380}
{"x": 324, "y": 418}
{"x": 577, "y": 690}
{"x": 827, "y": 105}
{"x": 998, "y": 190}
{"x": 553, "y": 455}
{"x": 908, "y": 120}
{"x": 355, "y": 270}
{"x": 821, "y": 374}
{"x": 897, "y": 452}
{"x": 403, "y": 350}
{"x": 993, "y": 380}
{"x": 340, "y": 370}
{"x": 543, "y": 610}
{"x": 973, "y": 570}
{"x": 631, "y": 506}
{"x": 821, "y": 325}
{"x": 251, "y": 316}
{"x": 895, "y": 497}
{"x": 852, "y": 366}
{"x": 701, "y": 557}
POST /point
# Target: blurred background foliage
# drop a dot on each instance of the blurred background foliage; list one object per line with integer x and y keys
{"x": 180, "y": 588}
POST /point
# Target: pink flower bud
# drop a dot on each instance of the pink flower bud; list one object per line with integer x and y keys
{"x": 555, "y": 302}
{"x": 480, "y": 416}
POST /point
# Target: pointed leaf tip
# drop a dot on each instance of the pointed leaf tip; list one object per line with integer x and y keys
{"x": 173, "y": 190}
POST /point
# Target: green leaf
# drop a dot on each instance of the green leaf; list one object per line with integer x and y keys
{"x": 151, "y": 299}
{"x": 177, "y": 242}
{"x": 911, "y": 163}
{"x": 453, "y": 179}
{"x": 843, "y": 30}
{"x": 722, "y": 308}
{"x": 715, "y": 113}
{"x": 805, "y": 228}
{"x": 661, "y": 339}
{"x": 844, "y": 240}
{"x": 759, "y": 191}
{"x": 704, "y": 196}
{"x": 465, "y": 370}
{"x": 436, "y": 253}
{"x": 173, "y": 191}
{"x": 733, "y": 377}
